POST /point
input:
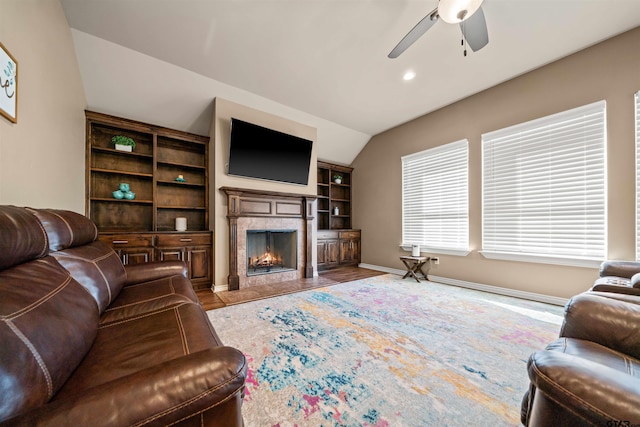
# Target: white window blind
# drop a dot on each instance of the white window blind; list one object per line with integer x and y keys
{"x": 637, "y": 176}
{"x": 544, "y": 187}
{"x": 435, "y": 206}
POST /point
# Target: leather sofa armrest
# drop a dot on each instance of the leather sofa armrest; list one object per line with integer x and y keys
{"x": 162, "y": 395}
{"x": 592, "y": 391}
{"x": 635, "y": 281}
{"x": 624, "y": 269}
{"x": 610, "y": 322}
{"x": 145, "y": 272}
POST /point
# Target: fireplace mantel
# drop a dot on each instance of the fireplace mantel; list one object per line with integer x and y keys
{"x": 267, "y": 204}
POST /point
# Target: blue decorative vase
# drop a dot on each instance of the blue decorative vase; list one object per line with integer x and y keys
{"x": 129, "y": 195}
{"x": 118, "y": 194}
{"x": 124, "y": 187}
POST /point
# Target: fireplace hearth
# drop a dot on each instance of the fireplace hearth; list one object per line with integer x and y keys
{"x": 271, "y": 251}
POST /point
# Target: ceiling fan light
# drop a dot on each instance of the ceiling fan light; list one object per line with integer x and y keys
{"x": 450, "y": 10}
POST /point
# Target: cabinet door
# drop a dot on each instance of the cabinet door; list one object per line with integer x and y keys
{"x": 199, "y": 263}
{"x": 349, "y": 251}
{"x": 322, "y": 253}
{"x": 170, "y": 254}
{"x": 135, "y": 255}
{"x": 333, "y": 251}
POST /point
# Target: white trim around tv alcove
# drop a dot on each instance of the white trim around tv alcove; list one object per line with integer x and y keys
{"x": 477, "y": 286}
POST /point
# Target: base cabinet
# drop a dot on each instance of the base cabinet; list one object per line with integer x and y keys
{"x": 195, "y": 249}
{"x": 328, "y": 253}
{"x": 338, "y": 248}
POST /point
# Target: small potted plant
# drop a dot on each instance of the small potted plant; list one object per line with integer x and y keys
{"x": 337, "y": 178}
{"x": 123, "y": 143}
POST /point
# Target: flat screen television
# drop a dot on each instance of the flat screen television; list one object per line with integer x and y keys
{"x": 259, "y": 152}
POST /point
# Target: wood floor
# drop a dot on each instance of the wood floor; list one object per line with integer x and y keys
{"x": 211, "y": 300}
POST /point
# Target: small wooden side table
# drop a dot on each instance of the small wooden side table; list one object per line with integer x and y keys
{"x": 414, "y": 266}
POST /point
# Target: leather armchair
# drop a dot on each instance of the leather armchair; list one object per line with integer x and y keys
{"x": 621, "y": 277}
{"x": 591, "y": 374}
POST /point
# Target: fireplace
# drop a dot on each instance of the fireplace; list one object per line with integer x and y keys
{"x": 259, "y": 222}
{"x": 271, "y": 251}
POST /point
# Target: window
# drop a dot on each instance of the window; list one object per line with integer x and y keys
{"x": 435, "y": 199}
{"x": 637, "y": 176}
{"x": 544, "y": 189}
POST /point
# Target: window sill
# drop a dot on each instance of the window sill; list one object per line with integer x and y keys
{"x": 440, "y": 251}
{"x": 543, "y": 259}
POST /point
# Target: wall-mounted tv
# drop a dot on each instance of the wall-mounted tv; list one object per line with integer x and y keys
{"x": 259, "y": 152}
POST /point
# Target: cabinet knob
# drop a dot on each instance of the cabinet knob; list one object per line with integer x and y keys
{"x": 119, "y": 242}
{"x": 185, "y": 240}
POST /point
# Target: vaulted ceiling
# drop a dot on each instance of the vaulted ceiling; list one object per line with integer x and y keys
{"x": 328, "y": 58}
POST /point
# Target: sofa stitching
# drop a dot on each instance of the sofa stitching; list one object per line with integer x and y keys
{"x": 67, "y": 224}
{"x": 45, "y": 248}
{"x": 39, "y": 302}
{"x": 93, "y": 261}
{"x": 36, "y": 356}
{"x": 574, "y": 396}
{"x": 130, "y": 319}
{"x": 133, "y": 285}
{"x": 183, "y": 336}
{"x": 138, "y": 302}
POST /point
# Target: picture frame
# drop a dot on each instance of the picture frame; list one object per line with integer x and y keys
{"x": 8, "y": 85}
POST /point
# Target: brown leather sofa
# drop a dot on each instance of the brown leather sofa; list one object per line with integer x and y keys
{"x": 86, "y": 341}
{"x": 590, "y": 376}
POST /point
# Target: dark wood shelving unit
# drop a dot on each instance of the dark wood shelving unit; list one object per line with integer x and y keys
{"x": 338, "y": 244}
{"x": 143, "y": 229}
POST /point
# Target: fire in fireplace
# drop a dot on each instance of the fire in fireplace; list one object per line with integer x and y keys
{"x": 271, "y": 251}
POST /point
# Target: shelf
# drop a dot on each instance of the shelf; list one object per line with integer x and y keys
{"x": 181, "y": 165}
{"x": 119, "y": 152}
{"x": 113, "y": 200}
{"x": 187, "y": 208}
{"x": 340, "y": 200}
{"x": 178, "y": 183}
{"x": 119, "y": 172}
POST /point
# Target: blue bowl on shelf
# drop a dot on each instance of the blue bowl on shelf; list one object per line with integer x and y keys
{"x": 124, "y": 187}
{"x": 129, "y": 195}
{"x": 117, "y": 194}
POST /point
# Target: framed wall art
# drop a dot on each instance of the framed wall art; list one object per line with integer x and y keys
{"x": 8, "y": 85}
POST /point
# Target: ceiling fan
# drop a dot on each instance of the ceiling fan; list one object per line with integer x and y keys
{"x": 467, "y": 13}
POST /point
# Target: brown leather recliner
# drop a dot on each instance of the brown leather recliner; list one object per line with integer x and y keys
{"x": 85, "y": 340}
{"x": 591, "y": 374}
{"x": 622, "y": 277}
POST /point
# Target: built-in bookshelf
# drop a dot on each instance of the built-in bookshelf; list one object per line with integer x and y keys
{"x": 334, "y": 193}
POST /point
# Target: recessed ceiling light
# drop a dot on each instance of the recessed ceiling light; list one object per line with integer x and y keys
{"x": 409, "y": 75}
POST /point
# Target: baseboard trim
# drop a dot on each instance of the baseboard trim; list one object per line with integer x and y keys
{"x": 220, "y": 288}
{"x": 477, "y": 286}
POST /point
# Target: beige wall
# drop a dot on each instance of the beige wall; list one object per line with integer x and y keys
{"x": 608, "y": 71}
{"x": 223, "y": 110}
{"x": 42, "y": 156}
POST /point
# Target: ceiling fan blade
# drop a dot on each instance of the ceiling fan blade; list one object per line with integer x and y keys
{"x": 415, "y": 33}
{"x": 474, "y": 31}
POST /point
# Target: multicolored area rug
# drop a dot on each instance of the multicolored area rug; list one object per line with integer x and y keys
{"x": 386, "y": 352}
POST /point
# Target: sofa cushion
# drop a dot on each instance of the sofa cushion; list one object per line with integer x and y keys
{"x": 134, "y": 344}
{"x": 22, "y": 237}
{"x": 47, "y": 324}
{"x": 144, "y": 298}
